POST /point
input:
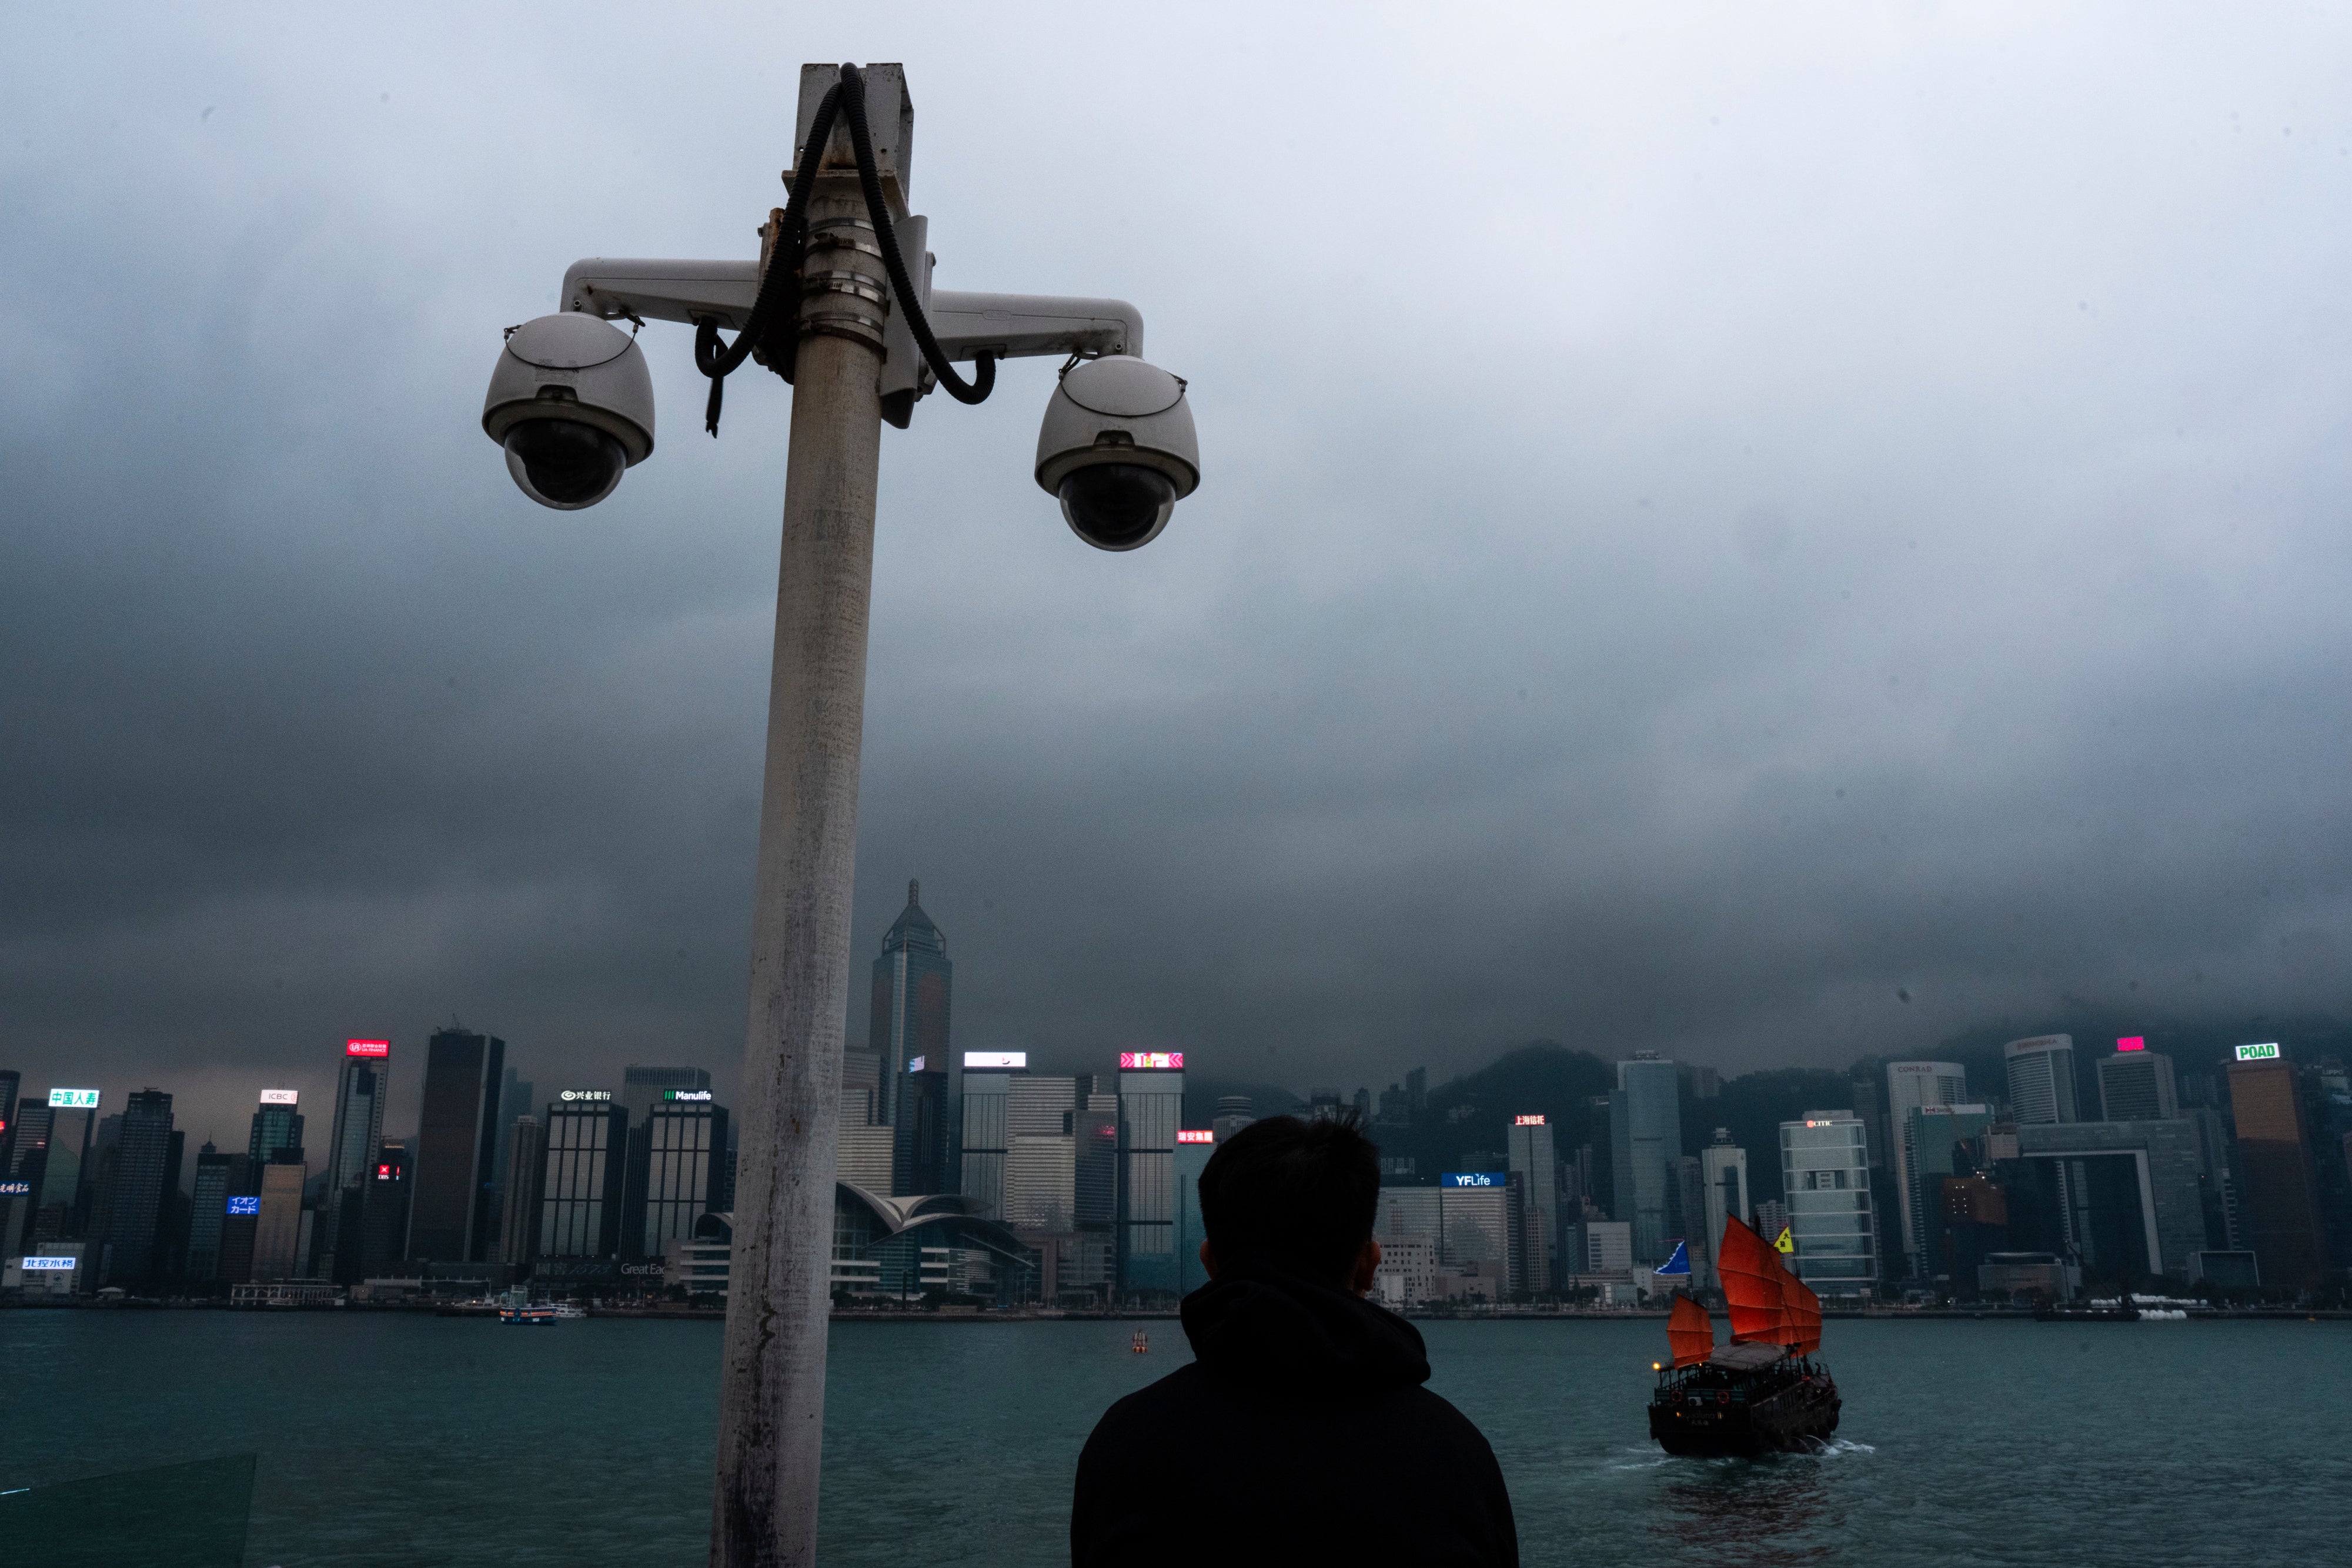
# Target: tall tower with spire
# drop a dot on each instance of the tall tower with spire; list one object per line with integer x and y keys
{"x": 912, "y": 981}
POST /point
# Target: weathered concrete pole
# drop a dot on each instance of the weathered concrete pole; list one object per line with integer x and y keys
{"x": 771, "y": 1401}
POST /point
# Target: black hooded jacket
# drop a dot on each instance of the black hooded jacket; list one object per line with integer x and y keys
{"x": 1300, "y": 1434}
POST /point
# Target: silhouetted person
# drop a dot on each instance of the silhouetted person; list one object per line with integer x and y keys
{"x": 1301, "y": 1433}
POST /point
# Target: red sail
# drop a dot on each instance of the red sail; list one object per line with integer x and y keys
{"x": 1691, "y": 1332}
{"x": 1804, "y": 1309}
{"x": 1751, "y": 1285}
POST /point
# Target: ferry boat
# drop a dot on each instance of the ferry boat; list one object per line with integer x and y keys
{"x": 515, "y": 1306}
{"x": 1762, "y": 1393}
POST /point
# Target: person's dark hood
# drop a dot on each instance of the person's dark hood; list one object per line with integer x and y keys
{"x": 1265, "y": 1326}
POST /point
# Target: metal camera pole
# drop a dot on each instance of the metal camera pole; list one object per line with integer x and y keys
{"x": 772, "y": 1385}
{"x": 571, "y": 401}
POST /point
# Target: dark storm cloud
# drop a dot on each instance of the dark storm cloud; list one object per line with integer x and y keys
{"x": 1773, "y": 539}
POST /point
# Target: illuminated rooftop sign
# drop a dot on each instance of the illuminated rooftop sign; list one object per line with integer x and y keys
{"x": 2245, "y": 1054}
{"x": 281, "y": 1097}
{"x": 367, "y": 1048}
{"x": 243, "y": 1206}
{"x": 570, "y": 1094}
{"x": 386, "y": 1173}
{"x": 1151, "y": 1061}
{"x": 682, "y": 1094}
{"x": 1017, "y": 1060}
{"x": 2132, "y": 1042}
{"x": 74, "y": 1099}
{"x": 916, "y": 1065}
{"x": 1203, "y": 1136}
{"x": 16, "y": 1189}
{"x": 52, "y": 1265}
{"x": 1526, "y": 1121}
{"x": 1475, "y": 1178}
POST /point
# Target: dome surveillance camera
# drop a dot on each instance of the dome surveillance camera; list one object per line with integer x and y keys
{"x": 572, "y": 402}
{"x": 1117, "y": 450}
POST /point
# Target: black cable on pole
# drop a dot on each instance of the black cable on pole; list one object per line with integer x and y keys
{"x": 983, "y": 379}
{"x": 718, "y": 359}
{"x": 780, "y": 281}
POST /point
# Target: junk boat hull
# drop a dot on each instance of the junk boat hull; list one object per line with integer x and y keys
{"x": 1716, "y": 1412}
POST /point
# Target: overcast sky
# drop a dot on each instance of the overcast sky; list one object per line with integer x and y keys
{"x": 1717, "y": 520}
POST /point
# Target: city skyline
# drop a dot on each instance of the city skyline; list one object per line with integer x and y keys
{"x": 1722, "y": 677}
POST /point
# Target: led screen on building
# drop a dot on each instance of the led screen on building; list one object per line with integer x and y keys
{"x": 74, "y": 1099}
{"x": 2132, "y": 1042}
{"x": 367, "y": 1048}
{"x": 245, "y": 1205}
{"x": 1150, "y": 1061}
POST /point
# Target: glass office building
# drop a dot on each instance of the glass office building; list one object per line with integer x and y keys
{"x": 684, "y": 1143}
{"x": 580, "y": 1190}
{"x": 1825, "y": 1175}
{"x": 913, "y": 987}
{"x": 1150, "y": 1104}
{"x": 988, "y": 1078}
{"x": 1645, "y": 1139}
{"x": 453, "y": 1182}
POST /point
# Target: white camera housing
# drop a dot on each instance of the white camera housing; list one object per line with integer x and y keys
{"x": 573, "y": 403}
{"x": 1117, "y": 450}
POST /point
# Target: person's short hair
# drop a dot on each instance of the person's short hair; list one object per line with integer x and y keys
{"x": 1296, "y": 1195}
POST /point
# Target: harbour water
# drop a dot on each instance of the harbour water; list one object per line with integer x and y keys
{"x": 397, "y": 1439}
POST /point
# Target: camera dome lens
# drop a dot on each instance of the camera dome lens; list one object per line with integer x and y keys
{"x": 1117, "y": 505}
{"x": 563, "y": 464}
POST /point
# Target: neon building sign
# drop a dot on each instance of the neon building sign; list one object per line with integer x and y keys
{"x": 1151, "y": 1061}
{"x": 367, "y": 1048}
{"x": 1200, "y": 1137}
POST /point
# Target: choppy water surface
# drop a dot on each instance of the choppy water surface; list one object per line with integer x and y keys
{"x": 415, "y": 1440}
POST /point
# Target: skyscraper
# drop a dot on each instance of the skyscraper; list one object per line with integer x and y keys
{"x": 381, "y": 1215}
{"x": 1932, "y": 1136}
{"x": 1911, "y": 1086}
{"x": 2041, "y": 1078}
{"x": 1534, "y": 1165}
{"x": 912, "y": 984}
{"x": 2278, "y": 1198}
{"x": 2136, "y": 1085}
{"x": 684, "y": 1138}
{"x": 276, "y": 1125}
{"x": 1645, "y": 1137}
{"x": 29, "y": 1155}
{"x": 362, "y": 1085}
{"x": 208, "y": 1207}
{"x": 57, "y": 1201}
{"x": 242, "y": 1209}
{"x": 581, "y": 1186}
{"x": 450, "y": 1184}
{"x": 988, "y": 1078}
{"x": 137, "y": 1212}
{"x": 10, "y": 1082}
{"x": 519, "y": 1201}
{"x": 278, "y": 1225}
{"x": 1150, "y": 1104}
{"x": 1825, "y": 1175}
{"x": 1723, "y": 1166}
{"x": 919, "y": 1151}
{"x": 1235, "y": 1112}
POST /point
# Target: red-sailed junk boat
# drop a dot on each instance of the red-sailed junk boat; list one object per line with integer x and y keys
{"x": 1762, "y": 1392}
